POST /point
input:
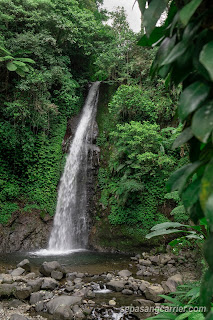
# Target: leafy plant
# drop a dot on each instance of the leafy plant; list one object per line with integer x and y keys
{"x": 185, "y": 43}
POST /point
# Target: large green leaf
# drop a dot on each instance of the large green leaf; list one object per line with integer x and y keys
{"x": 196, "y": 212}
{"x": 191, "y": 194}
{"x": 191, "y": 98}
{"x": 206, "y": 58}
{"x": 206, "y": 184}
{"x": 11, "y": 66}
{"x": 202, "y": 122}
{"x": 179, "y": 178}
{"x": 142, "y": 4}
{"x": 163, "y": 51}
{"x": 156, "y": 35}
{"x": 184, "y": 137}
{"x": 26, "y": 60}
{"x": 162, "y": 232}
{"x": 176, "y": 52}
{"x": 182, "y": 66}
{"x": 166, "y": 225}
{"x": 208, "y": 252}
{"x": 187, "y": 12}
{"x": 206, "y": 290}
{"x": 209, "y": 315}
{"x": 153, "y": 13}
{"x": 183, "y": 316}
{"x": 209, "y": 212}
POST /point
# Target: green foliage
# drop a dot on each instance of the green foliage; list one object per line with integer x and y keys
{"x": 185, "y": 55}
{"x": 182, "y": 304}
{"x": 136, "y": 156}
{"x": 47, "y": 53}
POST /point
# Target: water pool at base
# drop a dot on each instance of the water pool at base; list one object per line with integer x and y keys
{"x": 79, "y": 260}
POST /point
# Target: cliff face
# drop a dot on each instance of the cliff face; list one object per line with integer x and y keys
{"x": 25, "y": 231}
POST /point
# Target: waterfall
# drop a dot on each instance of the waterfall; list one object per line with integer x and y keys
{"x": 70, "y": 227}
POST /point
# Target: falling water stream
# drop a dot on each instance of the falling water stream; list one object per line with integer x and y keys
{"x": 70, "y": 227}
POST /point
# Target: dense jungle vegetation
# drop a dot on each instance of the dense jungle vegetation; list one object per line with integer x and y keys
{"x": 50, "y": 50}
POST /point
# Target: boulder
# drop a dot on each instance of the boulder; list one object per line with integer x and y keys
{"x": 152, "y": 292}
{"x": 7, "y": 278}
{"x": 173, "y": 281}
{"x": 25, "y": 264}
{"x": 127, "y": 292}
{"x": 7, "y": 290}
{"x": 71, "y": 275}
{"x": 17, "y": 316}
{"x": 35, "y": 284}
{"x": 22, "y": 292}
{"x": 112, "y": 302}
{"x": 124, "y": 273}
{"x": 49, "y": 284}
{"x": 144, "y": 285}
{"x": 17, "y": 272}
{"x": 116, "y": 285}
{"x": 15, "y": 303}
{"x": 47, "y": 267}
{"x": 36, "y": 297}
{"x": 63, "y": 313}
{"x": 63, "y": 300}
{"x": 143, "y": 303}
{"x": 40, "y": 306}
{"x": 57, "y": 275}
{"x": 155, "y": 260}
{"x": 145, "y": 262}
{"x": 78, "y": 313}
{"x": 30, "y": 275}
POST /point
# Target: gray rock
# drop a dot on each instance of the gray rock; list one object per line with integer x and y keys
{"x": 127, "y": 292}
{"x": 35, "y": 284}
{"x": 7, "y": 278}
{"x": 77, "y": 280}
{"x": 124, "y": 273}
{"x": 48, "y": 295}
{"x": 63, "y": 300}
{"x": 90, "y": 294}
{"x": 40, "y": 306}
{"x": 139, "y": 273}
{"x": 71, "y": 275}
{"x": 36, "y": 297}
{"x": 109, "y": 276}
{"x": 143, "y": 303}
{"x": 144, "y": 285}
{"x": 78, "y": 313}
{"x": 47, "y": 267}
{"x": 63, "y": 313}
{"x": 57, "y": 275}
{"x": 17, "y": 272}
{"x": 25, "y": 264}
{"x": 30, "y": 276}
{"x": 145, "y": 262}
{"x": 87, "y": 311}
{"x": 49, "y": 284}
{"x": 22, "y": 292}
{"x": 17, "y": 316}
{"x": 173, "y": 282}
{"x": 116, "y": 285}
{"x": 155, "y": 260}
{"x": 80, "y": 275}
{"x": 152, "y": 292}
{"x": 7, "y": 290}
{"x": 15, "y": 303}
